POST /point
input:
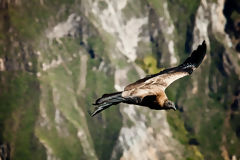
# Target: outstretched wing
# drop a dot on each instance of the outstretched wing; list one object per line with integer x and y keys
{"x": 167, "y": 76}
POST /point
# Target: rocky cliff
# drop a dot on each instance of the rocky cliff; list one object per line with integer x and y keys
{"x": 57, "y": 57}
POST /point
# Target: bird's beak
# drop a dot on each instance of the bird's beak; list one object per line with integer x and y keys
{"x": 174, "y": 108}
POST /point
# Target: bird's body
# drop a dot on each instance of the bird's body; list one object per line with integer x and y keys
{"x": 150, "y": 91}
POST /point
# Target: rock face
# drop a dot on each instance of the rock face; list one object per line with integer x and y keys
{"x": 57, "y": 57}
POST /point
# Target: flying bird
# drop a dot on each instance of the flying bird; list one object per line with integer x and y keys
{"x": 150, "y": 91}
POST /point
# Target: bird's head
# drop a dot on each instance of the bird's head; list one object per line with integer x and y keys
{"x": 169, "y": 105}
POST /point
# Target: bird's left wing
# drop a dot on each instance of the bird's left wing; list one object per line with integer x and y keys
{"x": 167, "y": 76}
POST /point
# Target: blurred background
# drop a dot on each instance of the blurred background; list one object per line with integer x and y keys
{"x": 58, "y": 56}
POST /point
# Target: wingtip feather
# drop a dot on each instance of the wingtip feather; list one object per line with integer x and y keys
{"x": 204, "y": 42}
{"x": 196, "y": 58}
{"x": 204, "y": 45}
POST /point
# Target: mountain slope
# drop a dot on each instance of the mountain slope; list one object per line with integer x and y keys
{"x": 57, "y": 57}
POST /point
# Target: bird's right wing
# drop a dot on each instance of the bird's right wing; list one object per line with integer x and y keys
{"x": 167, "y": 76}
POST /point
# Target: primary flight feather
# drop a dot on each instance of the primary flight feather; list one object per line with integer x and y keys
{"x": 150, "y": 91}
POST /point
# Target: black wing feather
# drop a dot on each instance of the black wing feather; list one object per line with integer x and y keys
{"x": 196, "y": 57}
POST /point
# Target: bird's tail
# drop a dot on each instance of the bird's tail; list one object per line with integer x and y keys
{"x": 106, "y": 101}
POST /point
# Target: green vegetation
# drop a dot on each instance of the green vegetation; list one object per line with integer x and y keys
{"x": 30, "y": 19}
{"x": 133, "y": 9}
{"x": 208, "y": 131}
{"x": 229, "y": 84}
{"x": 60, "y": 137}
{"x": 149, "y": 64}
{"x": 105, "y": 127}
{"x": 181, "y": 127}
{"x": 95, "y": 43}
{"x": 20, "y": 93}
{"x": 19, "y": 99}
{"x": 98, "y": 132}
{"x": 188, "y": 124}
{"x": 59, "y": 85}
{"x": 235, "y": 16}
{"x": 157, "y": 5}
{"x": 102, "y": 5}
{"x": 179, "y": 131}
{"x": 183, "y": 15}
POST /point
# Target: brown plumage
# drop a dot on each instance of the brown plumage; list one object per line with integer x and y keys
{"x": 150, "y": 91}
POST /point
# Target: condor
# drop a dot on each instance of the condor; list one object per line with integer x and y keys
{"x": 150, "y": 91}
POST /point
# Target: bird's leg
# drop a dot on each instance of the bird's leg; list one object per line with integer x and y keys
{"x": 169, "y": 105}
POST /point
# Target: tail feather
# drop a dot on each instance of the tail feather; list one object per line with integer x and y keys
{"x": 108, "y": 97}
{"x": 100, "y": 108}
{"x": 106, "y": 101}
